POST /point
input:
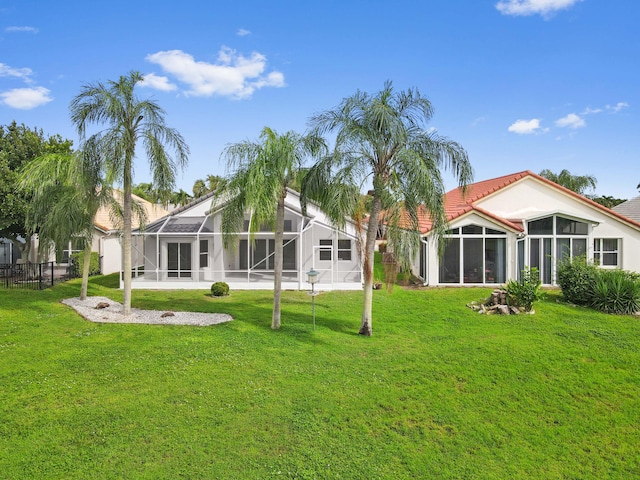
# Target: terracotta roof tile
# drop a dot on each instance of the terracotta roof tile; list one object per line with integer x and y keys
{"x": 458, "y": 202}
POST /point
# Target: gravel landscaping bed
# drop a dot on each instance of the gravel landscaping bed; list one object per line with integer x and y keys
{"x": 105, "y": 310}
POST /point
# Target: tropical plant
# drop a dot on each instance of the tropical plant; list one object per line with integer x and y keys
{"x": 212, "y": 184}
{"x": 383, "y": 139}
{"x": 524, "y": 291}
{"x": 129, "y": 120}
{"x": 616, "y": 291}
{"x": 607, "y": 200}
{"x": 261, "y": 174}
{"x": 577, "y": 183}
{"x": 180, "y": 198}
{"x": 66, "y": 191}
{"x": 19, "y": 145}
{"x": 576, "y": 278}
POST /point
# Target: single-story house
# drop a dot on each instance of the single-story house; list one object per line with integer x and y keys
{"x": 106, "y": 239}
{"x": 184, "y": 250}
{"x": 502, "y": 225}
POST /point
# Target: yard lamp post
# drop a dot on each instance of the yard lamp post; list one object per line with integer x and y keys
{"x": 312, "y": 278}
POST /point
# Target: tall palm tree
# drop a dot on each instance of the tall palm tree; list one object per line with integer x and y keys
{"x": 577, "y": 183}
{"x": 262, "y": 172}
{"x": 129, "y": 120}
{"x": 382, "y": 140}
{"x": 66, "y": 192}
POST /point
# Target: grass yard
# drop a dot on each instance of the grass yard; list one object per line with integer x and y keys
{"x": 438, "y": 392}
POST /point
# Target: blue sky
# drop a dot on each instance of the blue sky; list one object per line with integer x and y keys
{"x": 521, "y": 84}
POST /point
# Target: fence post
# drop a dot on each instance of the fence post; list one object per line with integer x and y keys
{"x": 40, "y": 276}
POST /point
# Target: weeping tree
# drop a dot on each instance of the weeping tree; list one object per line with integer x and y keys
{"x": 382, "y": 140}
{"x": 261, "y": 172}
{"x": 66, "y": 191}
{"x": 129, "y": 121}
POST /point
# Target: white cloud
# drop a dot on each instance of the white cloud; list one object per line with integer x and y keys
{"x": 533, "y": 7}
{"x": 232, "y": 75}
{"x": 243, "y": 32}
{"x": 21, "y": 29}
{"x": 26, "y": 98}
{"x": 590, "y": 111}
{"x": 22, "y": 73}
{"x": 524, "y": 127}
{"x": 152, "y": 80}
{"x": 571, "y": 121}
{"x": 617, "y": 107}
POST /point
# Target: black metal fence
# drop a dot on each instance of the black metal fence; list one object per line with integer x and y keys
{"x": 33, "y": 275}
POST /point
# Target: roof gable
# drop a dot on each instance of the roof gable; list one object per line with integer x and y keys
{"x": 459, "y": 202}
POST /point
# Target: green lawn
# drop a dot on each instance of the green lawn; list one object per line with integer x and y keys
{"x": 438, "y": 392}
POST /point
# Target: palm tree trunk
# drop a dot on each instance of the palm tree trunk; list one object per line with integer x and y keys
{"x": 372, "y": 230}
{"x": 126, "y": 237}
{"x": 85, "y": 272}
{"x": 277, "y": 262}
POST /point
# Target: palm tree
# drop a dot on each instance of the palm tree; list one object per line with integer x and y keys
{"x": 66, "y": 192}
{"x": 213, "y": 183}
{"x": 199, "y": 188}
{"x": 383, "y": 139}
{"x": 129, "y": 120}
{"x": 262, "y": 172}
{"x": 180, "y": 198}
{"x": 577, "y": 183}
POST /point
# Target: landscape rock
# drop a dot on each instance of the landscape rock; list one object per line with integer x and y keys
{"x": 102, "y": 305}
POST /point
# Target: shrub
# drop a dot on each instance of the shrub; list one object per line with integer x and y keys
{"x": 616, "y": 291}
{"x": 576, "y": 278}
{"x": 77, "y": 261}
{"x": 220, "y": 289}
{"x": 522, "y": 293}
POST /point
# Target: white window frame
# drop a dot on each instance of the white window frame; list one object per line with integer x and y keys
{"x": 343, "y": 251}
{"x": 599, "y": 252}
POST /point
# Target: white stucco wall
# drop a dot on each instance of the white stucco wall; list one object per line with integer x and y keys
{"x": 531, "y": 199}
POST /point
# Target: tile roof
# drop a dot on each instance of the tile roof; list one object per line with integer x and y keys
{"x": 104, "y": 222}
{"x": 630, "y": 209}
{"x": 458, "y": 203}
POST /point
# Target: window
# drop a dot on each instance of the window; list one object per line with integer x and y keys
{"x": 564, "y": 226}
{"x": 553, "y": 240}
{"x": 288, "y": 226}
{"x": 606, "y": 252}
{"x": 179, "y": 260}
{"x": 326, "y": 246}
{"x": 204, "y": 253}
{"x": 544, "y": 226}
{"x": 474, "y": 254}
{"x": 450, "y": 262}
{"x": 344, "y": 250}
{"x": 261, "y": 254}
{"x": 472, "y": 230}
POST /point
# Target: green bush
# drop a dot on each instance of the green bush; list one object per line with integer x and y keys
{"x": 616, "y": 291}
{"x": 220, "y": 289}
{"x": 576, "y": 278}
{"x": 77, "y": 261}
{"x": 522, "y": 293}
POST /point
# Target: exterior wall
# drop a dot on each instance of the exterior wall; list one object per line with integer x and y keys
{"x": 224, "y": 265}
{"x": 531, "y": 199}
{"x": 433, "y": 261}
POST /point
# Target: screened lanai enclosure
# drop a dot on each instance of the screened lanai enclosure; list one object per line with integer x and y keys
{"x": 187, "y": 250}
